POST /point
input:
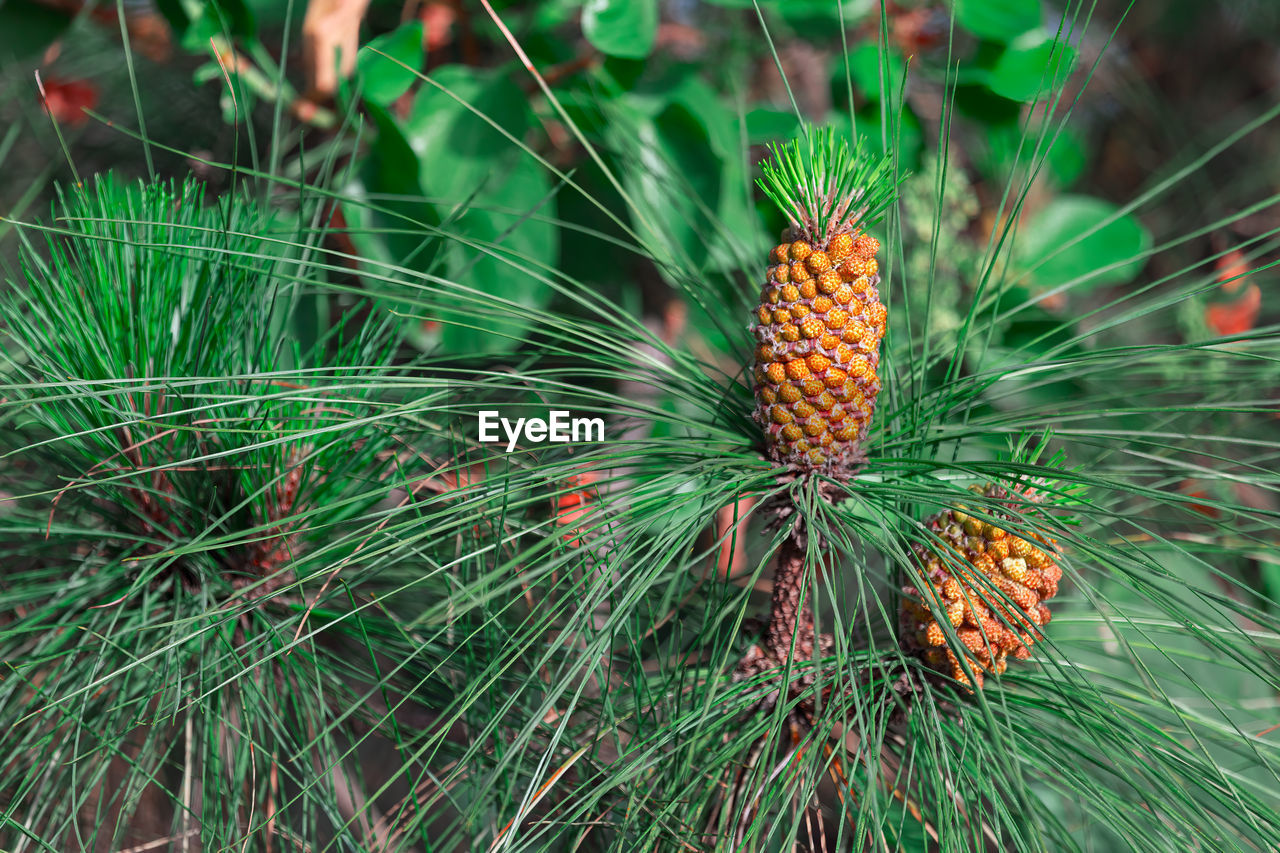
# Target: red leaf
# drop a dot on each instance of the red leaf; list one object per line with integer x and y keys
{"x": 1195, "y": 489}
{"x": 66, "y": 100}
{"x": 1237, "y": 316}
{"x": 437, "y": 24}
{"x": 573, "y": 506}
{"x": 731, "y": 561}
{"x": 1232, "y": 270}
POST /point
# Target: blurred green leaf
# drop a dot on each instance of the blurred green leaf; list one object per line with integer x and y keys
{"x": 1033, "y": 66}
{"x": 1002, "y": 143}
{"x": 392, "y": 166}
{"x": 709, "y": 110}
{"x": 27, "y": 29}
{"x": 1270, "y": 577}
{"x": 448, "y": 130}
{"x": 679, "y": 174}
{"x": 384, "y": 77}
{"x": 1008, "y": 142}
{"x": 905, "y": 134}
{"x": 736, "y": 217}
{"x": 810, "y": 15}
{"x": 619, "y": 74}
{"x": 999, "y": 20}
{"x": 549, "y": 14}
{"x": 495, "y": 189}
{"x": 766, "y": 124}
{"x": 515, "y": 228}
{"x": 1048, "y": 244}
{"x": 237, "y": 14}
{"x": 1067, "y": 158}
{"x": 391, "y": 169}
{"x": 625, "y": 28}
{"x": 864, "y": 68}
{"x": 794, "y": 10}
{"x": 980, "y": 103}
{"x": 197, "y": 21}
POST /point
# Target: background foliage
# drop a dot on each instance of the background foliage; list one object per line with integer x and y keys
{"x": 265, "y": 589}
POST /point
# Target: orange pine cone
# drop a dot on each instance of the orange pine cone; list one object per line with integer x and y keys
{"x": 820, "y": 321}
{"x": 818, "y": 331}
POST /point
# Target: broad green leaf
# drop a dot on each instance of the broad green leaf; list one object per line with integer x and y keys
{"x": 448, "y": 130}
{"x": 1270, "y": 573}
{"x": 625, "y": 28}
{"x": 549, "y": 14}
{"x": 381, "y": 63}
{"x": 864, "y": 70}
{"x": 766, "y": 124}
{"x": 737, "y": 220}
{"x": 196, "y": 21}
{"x": 793, "y": 10}
{"x": 708, "y": 107}
{"x": 498, "y": 196}
{"x": 1009, "y": 143}
{"x": 510, "y": 222}
{"x": 177, "y": 13}
{"x": 852, "y": 8}
{"x": 978, "y": 102}
{"x": 905, "y": 134}
{"x": 679, "y": 175}
{"x": 998, "y": 20}
{"x": 1033, "y": 66}
{"x": 1067, "y": 158}
{"x": 27, "y": 29}
{"x": 808, "y": 16}
{"x": 1051, "y": 247}
{"x": 391, "y": 169}
{"x": 617, "y": 75}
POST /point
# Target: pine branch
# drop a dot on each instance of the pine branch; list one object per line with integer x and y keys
{"x": 790, "y": 616}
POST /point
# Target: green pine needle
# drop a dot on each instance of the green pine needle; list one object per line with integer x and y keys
{"x": 826, "y": 187}
{"x": 447, "y": 659}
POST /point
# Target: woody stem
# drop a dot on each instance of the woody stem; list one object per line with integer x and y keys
{"x": 790, "y": 617}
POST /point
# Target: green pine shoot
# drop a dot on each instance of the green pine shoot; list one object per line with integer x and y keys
{"x": 826, "y": 187}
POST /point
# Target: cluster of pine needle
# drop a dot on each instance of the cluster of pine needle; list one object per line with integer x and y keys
{"x": 264, "y": 589}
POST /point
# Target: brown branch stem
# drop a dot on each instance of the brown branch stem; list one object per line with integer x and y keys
{"x": 791, "y": 616}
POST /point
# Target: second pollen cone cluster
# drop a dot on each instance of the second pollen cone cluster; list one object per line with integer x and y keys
{"x": 994, "y": 600}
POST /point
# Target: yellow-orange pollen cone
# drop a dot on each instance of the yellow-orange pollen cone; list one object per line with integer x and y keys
{"x": 818, "y": 331}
